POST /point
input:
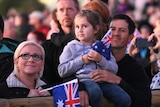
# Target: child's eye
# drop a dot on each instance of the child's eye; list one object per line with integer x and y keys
{"x": 84, "y": 26}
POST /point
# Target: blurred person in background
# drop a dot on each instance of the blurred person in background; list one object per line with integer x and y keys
{"x": 22, "y": 26}
{"x": 142, "y": 54}
{"x": 7, "y": 48}
{"x": 36, "y": 20}
{"x": 9, "y": 29}
{"x": 54, "y": 25}
{"x": 150, "y": 8}
{"x": 36, "y": 36}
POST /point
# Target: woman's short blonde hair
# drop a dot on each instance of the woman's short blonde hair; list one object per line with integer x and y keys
{"x": 18, "y": 50}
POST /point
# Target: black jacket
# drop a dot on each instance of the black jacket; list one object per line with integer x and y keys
{"x": 15, "y": 92}
{"x": 135, "y": 82}
{"x": 7, "y": 48}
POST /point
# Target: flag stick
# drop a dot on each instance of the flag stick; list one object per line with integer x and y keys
{"x": 47, "y": 89}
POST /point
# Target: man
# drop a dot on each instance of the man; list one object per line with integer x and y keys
{"x": 131, "y": 76}
{"x": 7, "y": 48}
{"x": 66, "y": 11}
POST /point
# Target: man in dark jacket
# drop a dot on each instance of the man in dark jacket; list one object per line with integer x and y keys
{"x": 66, "y": 11}
{"x": 131, "y": 76}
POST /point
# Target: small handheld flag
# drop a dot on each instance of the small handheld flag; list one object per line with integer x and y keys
{"x": 104, "y": 46}
{"x": 66, "y": 94}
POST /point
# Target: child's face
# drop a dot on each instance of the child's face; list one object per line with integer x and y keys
{"x": 84, "y": 31}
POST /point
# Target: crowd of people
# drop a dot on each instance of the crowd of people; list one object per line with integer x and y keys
{"x": 39, "y": 55}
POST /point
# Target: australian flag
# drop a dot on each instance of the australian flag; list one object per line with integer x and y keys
{"x": 104, "y": 46}
{"x": 66, "y": 94}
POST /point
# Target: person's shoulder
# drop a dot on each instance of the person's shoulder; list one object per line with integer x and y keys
{"x": 8, "y": 43}
{"x": 73, "y": 42}
{"x": 47, "y": 43}
{"x": 3, "y": 84}
{"x": 129, "y": 61}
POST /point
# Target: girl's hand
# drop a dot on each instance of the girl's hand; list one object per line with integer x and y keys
{"x": 85, "y": 59}
{"x": 94, "y": 56}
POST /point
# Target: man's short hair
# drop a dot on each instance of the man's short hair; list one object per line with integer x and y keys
{"x": 1, "y": 24}
{"x": 131, "y": 24}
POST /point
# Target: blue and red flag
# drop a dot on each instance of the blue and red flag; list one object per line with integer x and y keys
{"x": 104, "y": 46}
{"x": 66, "y": 94}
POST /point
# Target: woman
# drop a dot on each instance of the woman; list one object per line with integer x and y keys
{"x": 25, "y": 81}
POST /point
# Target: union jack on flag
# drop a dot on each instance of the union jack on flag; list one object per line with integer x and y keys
{"x": 104, "y": 46}
{"x": 107, "y": 38}
{"x": 66, "y": 94}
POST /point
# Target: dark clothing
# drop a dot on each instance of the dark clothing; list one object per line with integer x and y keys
{"x": 135, "y": 82}
{"x": 143, "y": 59}
{"x": 14, "y": 92}
{"x": 6, "y": 65}
{"x": 53, "y": 48}
{"x": 7, "y": 48}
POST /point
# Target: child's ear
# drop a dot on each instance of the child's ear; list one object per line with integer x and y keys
{"x": 96, "y": 29}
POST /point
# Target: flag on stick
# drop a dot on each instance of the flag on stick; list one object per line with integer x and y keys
{"x": 104, "y": 46}
{"x": 66, "y": 94}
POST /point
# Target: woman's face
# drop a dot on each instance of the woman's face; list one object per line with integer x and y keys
{"x": 28, "y": 65}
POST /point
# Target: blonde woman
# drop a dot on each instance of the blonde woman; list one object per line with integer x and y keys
{"x": 25, "y": 80}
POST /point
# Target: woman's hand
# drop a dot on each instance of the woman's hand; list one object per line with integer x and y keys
{"x": 44, "y": 93}
{"x": 33, "y": 93}
{"x": 36, "y": 92}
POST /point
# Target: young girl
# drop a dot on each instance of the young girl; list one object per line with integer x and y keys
{"x": 80, "y": 59}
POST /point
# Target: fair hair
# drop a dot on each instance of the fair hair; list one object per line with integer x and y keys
{"x": 17, "y": 53}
